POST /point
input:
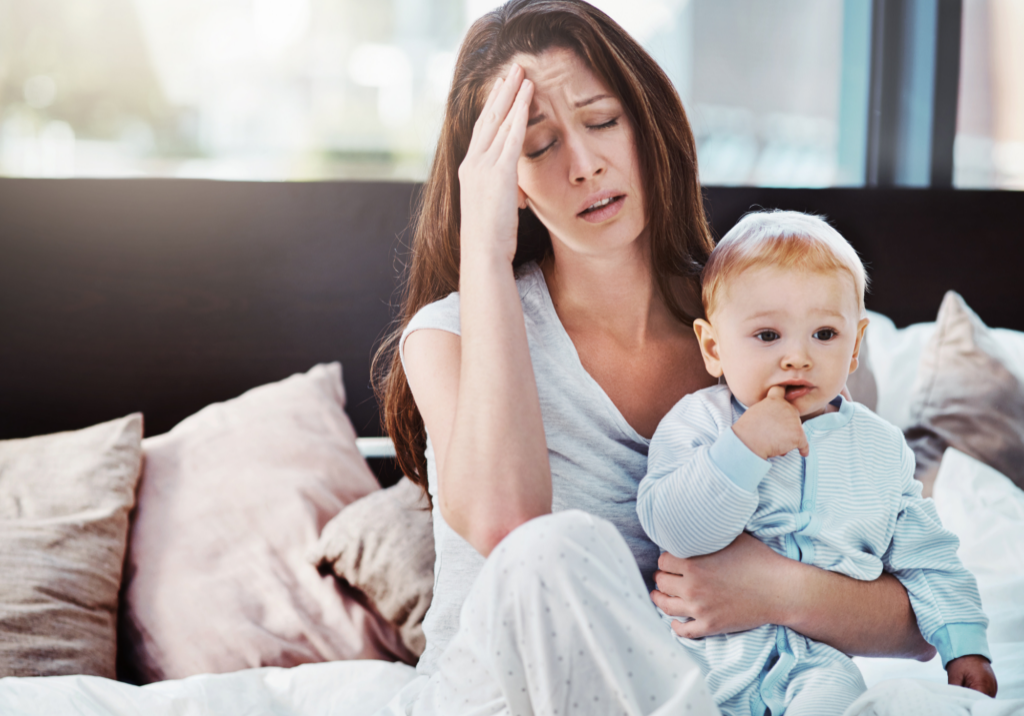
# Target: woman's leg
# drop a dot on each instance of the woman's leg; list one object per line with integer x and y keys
{"x": 559, "y": 622}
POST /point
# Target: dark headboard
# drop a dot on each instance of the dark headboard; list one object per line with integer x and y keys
{"x": 165, "y": 295}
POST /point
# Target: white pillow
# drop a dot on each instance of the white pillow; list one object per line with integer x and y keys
{"x": 896, "y": 352}
{"x": 893, "y": 357}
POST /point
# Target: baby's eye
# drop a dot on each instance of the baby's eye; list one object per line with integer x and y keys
{"x": 767, "y": 336}
{"x": 825, "y": 334}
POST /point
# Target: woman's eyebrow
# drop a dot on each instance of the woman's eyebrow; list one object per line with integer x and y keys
{"x": 537, "y": 119}
{"x": 595, "y": 98}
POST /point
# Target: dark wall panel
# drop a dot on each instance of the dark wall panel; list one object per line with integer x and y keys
{"x": 164, "y": 296}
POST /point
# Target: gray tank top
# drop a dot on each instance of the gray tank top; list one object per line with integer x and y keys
{"x": 597, "y": 458}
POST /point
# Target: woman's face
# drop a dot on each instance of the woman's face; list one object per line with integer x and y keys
{"x": 579, "y": 171}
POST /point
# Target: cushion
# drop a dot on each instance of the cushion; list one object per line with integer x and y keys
{"x": 383, "y": 545}
{"x": 965, "y": 396}
{"x": 64, "y": 503}
{"x": 229, "y": 503}
{"x": 896, "y": 352}
{"x": 894, "y": 356}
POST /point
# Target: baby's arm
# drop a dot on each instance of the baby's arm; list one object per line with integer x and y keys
{"x": 943, "y": 594}
{"x": 701, "y": 485}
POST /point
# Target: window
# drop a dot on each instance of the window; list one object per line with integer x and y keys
{"x": 764, "y": 93}
{"x": 777, "y": 91}
{"x": 230, "y": 89}
{"x": 989, "y": 147}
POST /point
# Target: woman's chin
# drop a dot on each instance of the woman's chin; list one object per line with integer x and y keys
{"x": 616, "y": 240}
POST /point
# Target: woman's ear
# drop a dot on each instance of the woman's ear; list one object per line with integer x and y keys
{"x": 708, "y": 346}
{"x": 855, "y": 360}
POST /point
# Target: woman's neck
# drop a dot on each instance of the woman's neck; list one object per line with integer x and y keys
{"x": 612, "y": 293}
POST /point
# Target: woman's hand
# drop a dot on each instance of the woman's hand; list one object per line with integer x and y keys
{"x": 488, "y": 180}
{"x": 748, "y": 584}
{"x": 729, "y": 591}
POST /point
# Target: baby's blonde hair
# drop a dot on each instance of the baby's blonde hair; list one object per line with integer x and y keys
{"x": 784, "y": 239}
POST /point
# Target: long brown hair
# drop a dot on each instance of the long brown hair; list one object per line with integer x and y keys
{"x": 680, "y": 238}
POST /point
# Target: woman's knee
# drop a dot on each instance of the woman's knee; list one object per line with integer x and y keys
{"x": 571, "y": 543}
{"x": 549, "y": 533}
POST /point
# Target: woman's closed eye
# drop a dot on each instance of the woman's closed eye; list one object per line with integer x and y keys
{"x": 614, "y": 122}
{"x": 539, "y": 152}
{"x": 604, "y": 125}
{"x": 825, "y": 334}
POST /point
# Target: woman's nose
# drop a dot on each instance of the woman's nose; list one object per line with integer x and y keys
{"x": 584, "y": 163}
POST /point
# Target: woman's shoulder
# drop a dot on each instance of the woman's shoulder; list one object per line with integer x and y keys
{"x": 442, "y": 314}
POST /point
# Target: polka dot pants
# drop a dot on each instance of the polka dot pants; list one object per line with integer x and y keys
{"x": 560, "y": 623}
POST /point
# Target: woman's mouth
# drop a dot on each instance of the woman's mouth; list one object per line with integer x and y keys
{"x": 602, "y": 209}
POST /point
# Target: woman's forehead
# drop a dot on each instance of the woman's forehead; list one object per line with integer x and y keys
{"x": 560, "y": 74}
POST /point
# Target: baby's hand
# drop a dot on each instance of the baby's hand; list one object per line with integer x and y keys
{"x": 772, "y": 427}
{"x": 972, "y": 672}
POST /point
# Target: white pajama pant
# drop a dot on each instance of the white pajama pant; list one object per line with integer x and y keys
{"x": 560, "y": 623}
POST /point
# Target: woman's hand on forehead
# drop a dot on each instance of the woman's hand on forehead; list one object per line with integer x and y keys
{"x": 488, "y": 178}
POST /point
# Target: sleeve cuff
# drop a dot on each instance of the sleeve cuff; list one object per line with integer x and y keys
{"x": 956, "y": 640}
{"x": 739, "y": 463}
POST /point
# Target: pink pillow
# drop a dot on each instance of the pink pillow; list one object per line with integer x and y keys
{"x": 229, "y": 503}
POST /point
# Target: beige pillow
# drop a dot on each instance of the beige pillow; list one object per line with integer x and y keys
{"x": 230, "y": 502}
{"x": 965, "y": 397}
{"x": 383, "y": 545}
{"x": 64, "y": 503}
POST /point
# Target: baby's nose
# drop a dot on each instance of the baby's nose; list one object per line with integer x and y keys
{"x": 797, "y": 361}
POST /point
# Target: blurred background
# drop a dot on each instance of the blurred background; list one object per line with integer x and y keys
{"x": 783, "y": 93}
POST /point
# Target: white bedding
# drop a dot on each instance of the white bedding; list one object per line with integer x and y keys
{"x": 982, "y": 506}
{"x": 349, "y": 688}
{"x": 986, "y": 511}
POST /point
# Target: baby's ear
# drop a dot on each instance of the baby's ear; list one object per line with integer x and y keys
{"x": 855, "y": 360}
{"x": 708, "y": 346}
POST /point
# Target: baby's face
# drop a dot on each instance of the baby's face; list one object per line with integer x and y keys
{"x": 797, "y": 329}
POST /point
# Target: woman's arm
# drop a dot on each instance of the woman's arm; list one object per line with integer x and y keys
{"x": 748, "y": 584}
{"x": 477, "y": 394}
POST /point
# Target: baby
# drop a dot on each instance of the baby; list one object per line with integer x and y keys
{"x": 778, "y": 452}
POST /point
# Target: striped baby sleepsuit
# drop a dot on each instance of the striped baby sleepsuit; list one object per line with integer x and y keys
{"x": 851, "y": 506}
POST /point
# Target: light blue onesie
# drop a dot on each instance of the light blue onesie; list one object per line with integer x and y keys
{"x": 851, "y": 506}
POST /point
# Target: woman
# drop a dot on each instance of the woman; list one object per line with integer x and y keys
{"x": 564, "y": 207}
